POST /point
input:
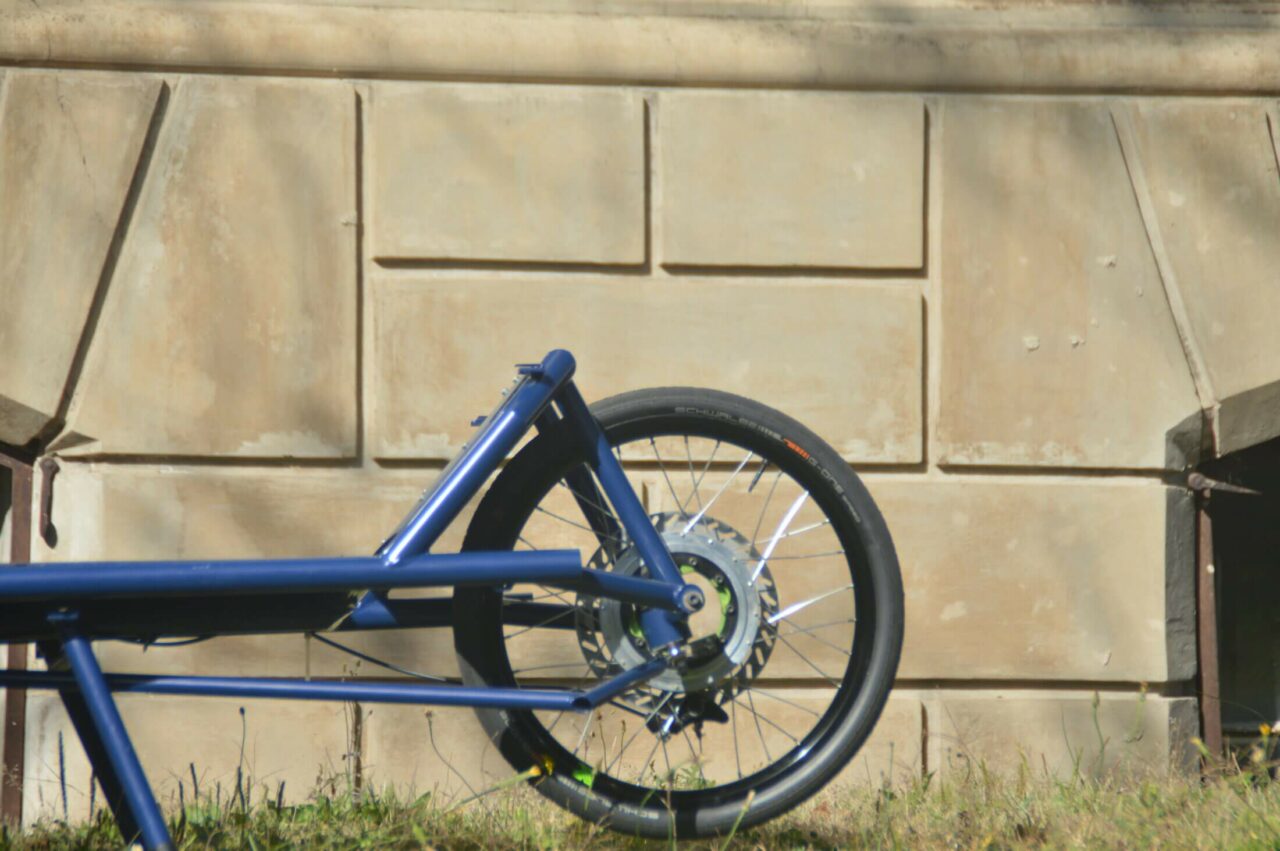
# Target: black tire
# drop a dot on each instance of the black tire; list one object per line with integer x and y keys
{"x": 663, "y": 806}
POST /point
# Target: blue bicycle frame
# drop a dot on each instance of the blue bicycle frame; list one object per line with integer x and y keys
{"x": 63, "y": 607}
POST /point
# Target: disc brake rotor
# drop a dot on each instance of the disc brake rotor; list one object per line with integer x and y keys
{"x": 719, "y": 663}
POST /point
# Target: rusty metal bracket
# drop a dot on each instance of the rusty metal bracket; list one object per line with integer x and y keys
{"x": 48, "y": 533}
{"x": 1201, "y": 482}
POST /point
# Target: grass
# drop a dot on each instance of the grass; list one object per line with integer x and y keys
{"x": 1238, "y": 807}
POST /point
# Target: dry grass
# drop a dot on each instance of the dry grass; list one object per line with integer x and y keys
{"x": 1238, "y": 808}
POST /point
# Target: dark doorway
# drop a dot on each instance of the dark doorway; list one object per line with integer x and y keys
{"x": 1246, "y": 572}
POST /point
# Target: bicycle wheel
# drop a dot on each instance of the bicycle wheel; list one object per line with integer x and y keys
{"x": 789, "y": 665}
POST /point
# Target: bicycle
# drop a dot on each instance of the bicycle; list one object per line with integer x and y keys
{"x": 771, "y": 557}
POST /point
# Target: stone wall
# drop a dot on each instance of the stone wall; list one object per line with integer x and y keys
{"x": 260, "y": 266}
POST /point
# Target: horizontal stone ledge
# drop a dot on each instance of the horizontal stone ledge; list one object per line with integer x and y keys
{"x": 938, "y": 44}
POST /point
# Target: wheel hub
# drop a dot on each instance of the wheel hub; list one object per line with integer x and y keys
{"x": 730, "y": 642}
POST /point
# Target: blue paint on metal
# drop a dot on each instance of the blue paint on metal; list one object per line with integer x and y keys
{"x": 661, "y": 628}
{"x": 95, "y": 581}
{"x": 114, "y": 738}
{"x": 267, "y": 688}
{"x": 606, "y": 691}
{"x": 374, "y": 612}
{"x": 469, "y": 470}
{"x": 629, "y": 589}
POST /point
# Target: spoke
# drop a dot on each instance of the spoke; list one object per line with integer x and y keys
{"x": 643, "y": 727}
{"x": 616, "y": 704}
{"x": 755, "y": 535}
{"x": 766, "y": 719}
{"x": 795, "y": 607}
{"x": 808, "y": 661}
{"x": 523, "y": 540}
{"x": 713, "y": 499}
{"x": 737, "y": 756}
{"x": 778, "y": 533}
{"x": 755, "y": 716}
{"x": 537, "y": 625}
{"x": 671, "y": 487}
{"x": 758, "y": 690}
{"x": 799, "y": 630}
{"x": 811, "y": 555}
{"x": 640, "y": 775}
{"x": 586, "y": 728}
{"x": 550, "y": 667}
{"x": 819, "y": 626}
{"x": 695, "y": 755}
{"x": 562, "y": 483}
{"x": 810, "y": 528}
{"x": 546, "y": 596}
{"x": 688, "y": 453}
{"x": 666, "y": 755}
{"x": 572, "y": 523}
{"x": 759, "y": 474}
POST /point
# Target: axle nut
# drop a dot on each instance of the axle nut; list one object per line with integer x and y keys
{"x": 693, "y": 599}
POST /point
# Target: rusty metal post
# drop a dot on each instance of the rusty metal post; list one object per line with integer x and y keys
{"x": 1207, "y": 628}
{"x": 15, "y": 703}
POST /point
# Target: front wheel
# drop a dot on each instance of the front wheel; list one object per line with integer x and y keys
{"x": 789, "y": 664}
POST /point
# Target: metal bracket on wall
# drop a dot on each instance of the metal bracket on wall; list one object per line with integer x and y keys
{"x": 13, "y": 740}
{"x": 48, "y": 533}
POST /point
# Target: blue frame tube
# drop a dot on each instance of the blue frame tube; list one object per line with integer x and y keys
{"x": 466, "y": 474}
{"x": 111, "y": 731}
{"x": 569, "y": 700}
{"x": 95, "y": 581}
{"x": 661, "y": 628}
{"x": 107, "y": 580}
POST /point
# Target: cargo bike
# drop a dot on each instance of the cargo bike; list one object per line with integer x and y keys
{"x": 677, "y": 611}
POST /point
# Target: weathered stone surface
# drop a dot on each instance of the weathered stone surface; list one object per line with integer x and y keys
{"x": 103, "y": 513}
{"x": 1080, "y": 581}
{"x": 1083, "y": 580}
{"x": 1174, "y": 47}
{"x": 841, "y": 357}
{"x": 1058, "y": 345}
{"x": 521, "y": 173}
{"x": 792, "y": 179}
{"x": 895, "y": 751}
{"x": 230, "y": 327}
{"x": 1211, "y": 167}
{"x": 69, "y": 144}
{"x": 1062, "y": 732}
{"x": 299, "y": 744}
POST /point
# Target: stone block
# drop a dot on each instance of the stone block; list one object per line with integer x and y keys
{"x": 230, "y": 327}
{"x": 68, "y": 151}
{"x": 133, "y": 512}
{"x": 895, "y": 751}
{"x": 1058, "y": 344}
{"x": 1060, "y": 733}
{"x": 844, "y": 358}
{"x": 785, "y": 179}
{"x": 507, "y": 173}
{"x": 1082, "y": 580}
{"x": 1215, "y": 190}
{"x": 1023, "y": 580}
{"x": 300, "y": 744}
